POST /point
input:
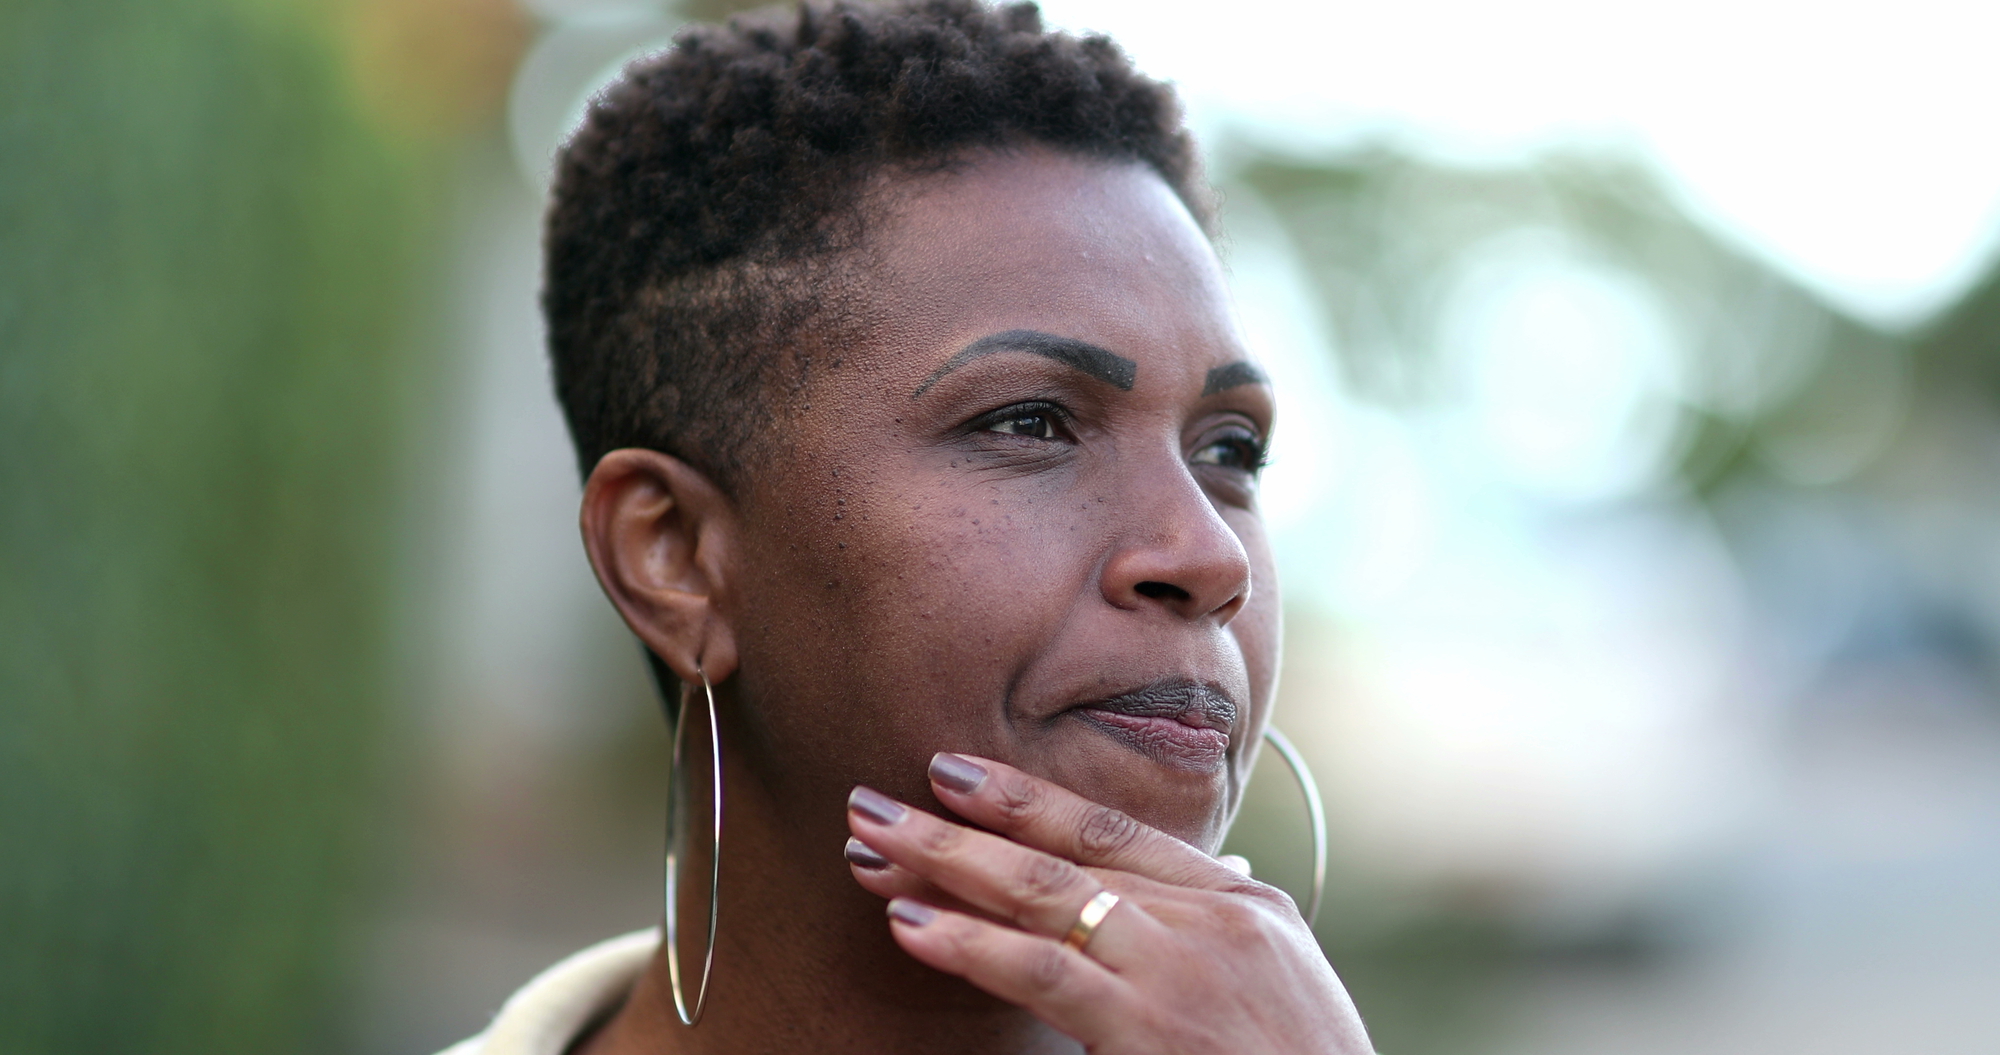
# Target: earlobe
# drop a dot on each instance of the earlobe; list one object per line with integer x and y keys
{"x": 661, "y": 537}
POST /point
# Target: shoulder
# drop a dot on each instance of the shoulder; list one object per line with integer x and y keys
{"x": 544, "y": 1016}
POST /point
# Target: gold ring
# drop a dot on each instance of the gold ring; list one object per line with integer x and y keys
{"x": 1093, "y": 914}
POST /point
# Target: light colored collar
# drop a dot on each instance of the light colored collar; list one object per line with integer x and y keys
{"x": 545, "y": 1016}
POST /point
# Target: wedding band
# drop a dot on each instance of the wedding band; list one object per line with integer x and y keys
{"x": 1093, "y": 914}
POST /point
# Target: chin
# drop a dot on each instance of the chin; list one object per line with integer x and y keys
{"x": 1189, "y": 802}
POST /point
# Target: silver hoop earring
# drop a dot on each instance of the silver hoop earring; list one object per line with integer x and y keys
{"x": 1315, "y": 812}
{"x": 676, "y": 833}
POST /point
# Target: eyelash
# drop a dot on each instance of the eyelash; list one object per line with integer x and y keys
{"x": 1053, "y": 415}
{"x": 1253, "y": 454}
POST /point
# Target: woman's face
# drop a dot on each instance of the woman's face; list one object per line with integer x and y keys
{"x": 1018, "y": 518}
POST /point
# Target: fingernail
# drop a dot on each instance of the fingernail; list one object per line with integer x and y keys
{"x": 911, "y": 913}
{"x": 957, "y": 772}
{"x": 875, "y": 806}
{"x": 864, "y": 855}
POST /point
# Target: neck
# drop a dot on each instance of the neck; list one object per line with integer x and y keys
{"x": 803, "y": 958}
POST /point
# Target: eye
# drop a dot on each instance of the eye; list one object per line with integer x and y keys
{"x": 1236, "y": 450}
{"x": 1032, "y": 424}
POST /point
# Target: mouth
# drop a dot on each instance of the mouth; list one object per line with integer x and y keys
{"x": 1178, "y": 723}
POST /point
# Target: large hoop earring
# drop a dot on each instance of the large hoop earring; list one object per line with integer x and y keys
{"x": 1315, "y": 812}
{"x": 676, "y": 834}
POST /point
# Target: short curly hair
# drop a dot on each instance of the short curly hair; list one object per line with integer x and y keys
{"x": 703, "y": 217}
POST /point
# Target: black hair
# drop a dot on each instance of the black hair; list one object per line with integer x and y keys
{"x": 703, "y": 217}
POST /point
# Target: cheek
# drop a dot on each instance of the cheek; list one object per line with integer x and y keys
{"x": 1259, "y": 629}
{"x": 908, "y": 607}
{"x": 958, "y": 585}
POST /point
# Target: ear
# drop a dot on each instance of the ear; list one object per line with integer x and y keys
{"x": 661, "y": 537}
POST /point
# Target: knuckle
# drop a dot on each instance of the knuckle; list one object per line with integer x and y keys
{"x": 1046, "y": 968}
{"x": 1046, "y": 879}
{"x": 1280, "y": 900}
{"x": 1247, "y": 922}
{"x": 961, "y": 945}
{"x": 1263, "y": 893}
{"x": 1016, "y": 799}
{"x": 939, "y": 840}
{"x": 1107, "y": 832}
{"x": 1235, "y": 917}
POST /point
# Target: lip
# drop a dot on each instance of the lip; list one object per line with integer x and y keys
{"x": 1179, "y": 723}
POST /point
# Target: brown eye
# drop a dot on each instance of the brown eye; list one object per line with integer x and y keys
{"x": 1242, "y": 452}
{"x": 1034, "y": 426}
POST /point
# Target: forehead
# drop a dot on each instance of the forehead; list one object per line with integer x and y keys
{"x": 1102, "y": 252}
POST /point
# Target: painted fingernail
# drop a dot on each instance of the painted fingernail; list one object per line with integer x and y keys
{"x": 875, "y": 806}
{"x": 957, "y": 772}
{"x": 911, "y": 913}
{"x": 864, "y": 855}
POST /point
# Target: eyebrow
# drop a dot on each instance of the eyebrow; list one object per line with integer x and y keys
{"x": 1112, "y": 369}
{"x": 1230, "y": 375}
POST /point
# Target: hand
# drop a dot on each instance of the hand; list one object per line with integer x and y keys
{"x": 1195, "y": 957}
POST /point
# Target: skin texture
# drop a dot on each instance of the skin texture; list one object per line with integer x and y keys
{"x": 976, "y": 521}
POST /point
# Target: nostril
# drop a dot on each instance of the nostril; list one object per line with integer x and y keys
{"x": 1162, "y": 591}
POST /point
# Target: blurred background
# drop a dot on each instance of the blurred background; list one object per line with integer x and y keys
{"x": 1637, "y": 492}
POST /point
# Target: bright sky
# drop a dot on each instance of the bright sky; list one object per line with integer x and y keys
{"x": 1852, "y": 145}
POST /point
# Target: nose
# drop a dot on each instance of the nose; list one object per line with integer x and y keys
{"x": 1177, "y": 554}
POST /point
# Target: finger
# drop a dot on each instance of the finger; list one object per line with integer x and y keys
{"x": 1032, "y": 890}
{"x": 1060, "y": 986}
{"x": 1236, "y": 863}
{"x": 1033, "y": 811}
{"x": 883, "y": 878}
{"x": 1179, "y": 909}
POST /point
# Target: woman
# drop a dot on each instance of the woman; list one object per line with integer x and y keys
{"x": 922, "y": 450}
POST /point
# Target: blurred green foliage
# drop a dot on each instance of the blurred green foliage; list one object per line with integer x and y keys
{"x": 205, "y": 255}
